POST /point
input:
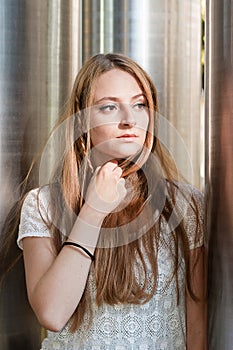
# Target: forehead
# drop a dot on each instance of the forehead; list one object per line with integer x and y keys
{"x": 116, "y": 83}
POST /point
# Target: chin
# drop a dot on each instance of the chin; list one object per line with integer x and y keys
{"x": 124, "y": 155}
{"x": 118, "y": 152}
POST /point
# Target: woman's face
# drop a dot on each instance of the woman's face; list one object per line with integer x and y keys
{"x": 119, "y": 117}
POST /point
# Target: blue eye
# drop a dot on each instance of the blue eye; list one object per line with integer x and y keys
{"x": 140, "y": 106}
{"x": 108, "y": 108}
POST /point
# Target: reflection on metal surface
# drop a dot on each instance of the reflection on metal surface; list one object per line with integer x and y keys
{"x": 41, "y": 51}
{"x": 164, "y": 37}
{"x": 39, "y": 56}
{"x": 219, "y": 112}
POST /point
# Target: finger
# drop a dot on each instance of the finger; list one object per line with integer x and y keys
{"x": 117, "y": 168}
{"x": 97, "y": 169}
{"x": 109, "y": 165}
{"x": 121, "y": 187}
{"x": 112, "y": 166}
{"x": 118, "y": 171}
{"x": 96, "y": 172}
{"x": 121, "y": 182}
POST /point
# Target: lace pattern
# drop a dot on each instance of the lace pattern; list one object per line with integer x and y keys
{"x": 34, "y": 213}
{"x": 159, "y": 324}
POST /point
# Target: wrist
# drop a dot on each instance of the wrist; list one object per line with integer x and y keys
{"x": 86, "y": 228}
{"x": 91, "y": 216}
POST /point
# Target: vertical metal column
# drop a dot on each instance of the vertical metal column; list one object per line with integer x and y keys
{"x": 39, "y": 56}
{"x": 165, "y": 38}
{"x": 219, "y": 171}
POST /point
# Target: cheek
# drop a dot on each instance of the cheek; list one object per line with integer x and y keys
{"x": 147, "y": 120}
{"x": 142, "y": 121}
{"x": 144, "y": 125}
{"x": 99, "y": 135}
{"x": 94, "y": 136}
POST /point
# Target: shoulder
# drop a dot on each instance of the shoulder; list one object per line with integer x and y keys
{"x": 186, "y": 194}
{"x": 37, "y": 204}
{"x": 38, "y": 200}
{"x": 191, "y": 192}
{"x": 189, "y": 208}
{"x": 195, "y": 202}
{"x": 35, "y": 214}
{"x": 40, "y": 195}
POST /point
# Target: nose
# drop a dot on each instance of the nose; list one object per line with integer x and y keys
{"x": 128, "y": 118}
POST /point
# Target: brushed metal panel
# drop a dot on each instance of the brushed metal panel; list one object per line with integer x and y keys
{"x": 219, "y": 171}
{"x": 39, "y": 57}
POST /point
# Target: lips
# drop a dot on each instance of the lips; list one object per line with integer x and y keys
{"x": 127, "y": 136}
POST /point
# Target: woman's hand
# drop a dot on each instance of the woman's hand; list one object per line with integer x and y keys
{"x": 106, "y": 189}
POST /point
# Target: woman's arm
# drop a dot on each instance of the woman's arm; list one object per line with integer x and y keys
{"x": 55, "y": 284}
{"x": 196, "y": 310}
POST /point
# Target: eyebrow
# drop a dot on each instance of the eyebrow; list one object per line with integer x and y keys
{"x": 112, "y": 98}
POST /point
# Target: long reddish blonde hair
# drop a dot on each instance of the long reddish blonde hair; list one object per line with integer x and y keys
{"x": 114, "y": 266}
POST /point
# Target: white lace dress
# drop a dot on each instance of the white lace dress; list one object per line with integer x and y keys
{"x": 160, "y": 324}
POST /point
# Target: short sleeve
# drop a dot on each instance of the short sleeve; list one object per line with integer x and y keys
{"x": 34, "y": 212}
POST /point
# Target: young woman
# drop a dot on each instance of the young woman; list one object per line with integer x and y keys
{"x": 113, "y": 244}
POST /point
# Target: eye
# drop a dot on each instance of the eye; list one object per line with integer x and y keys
{"x": 139, "y": 106}
{"x": 108, "y": 108}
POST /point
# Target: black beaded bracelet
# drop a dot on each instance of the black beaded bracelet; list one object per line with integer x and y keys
{"x": 81, "y": 247}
